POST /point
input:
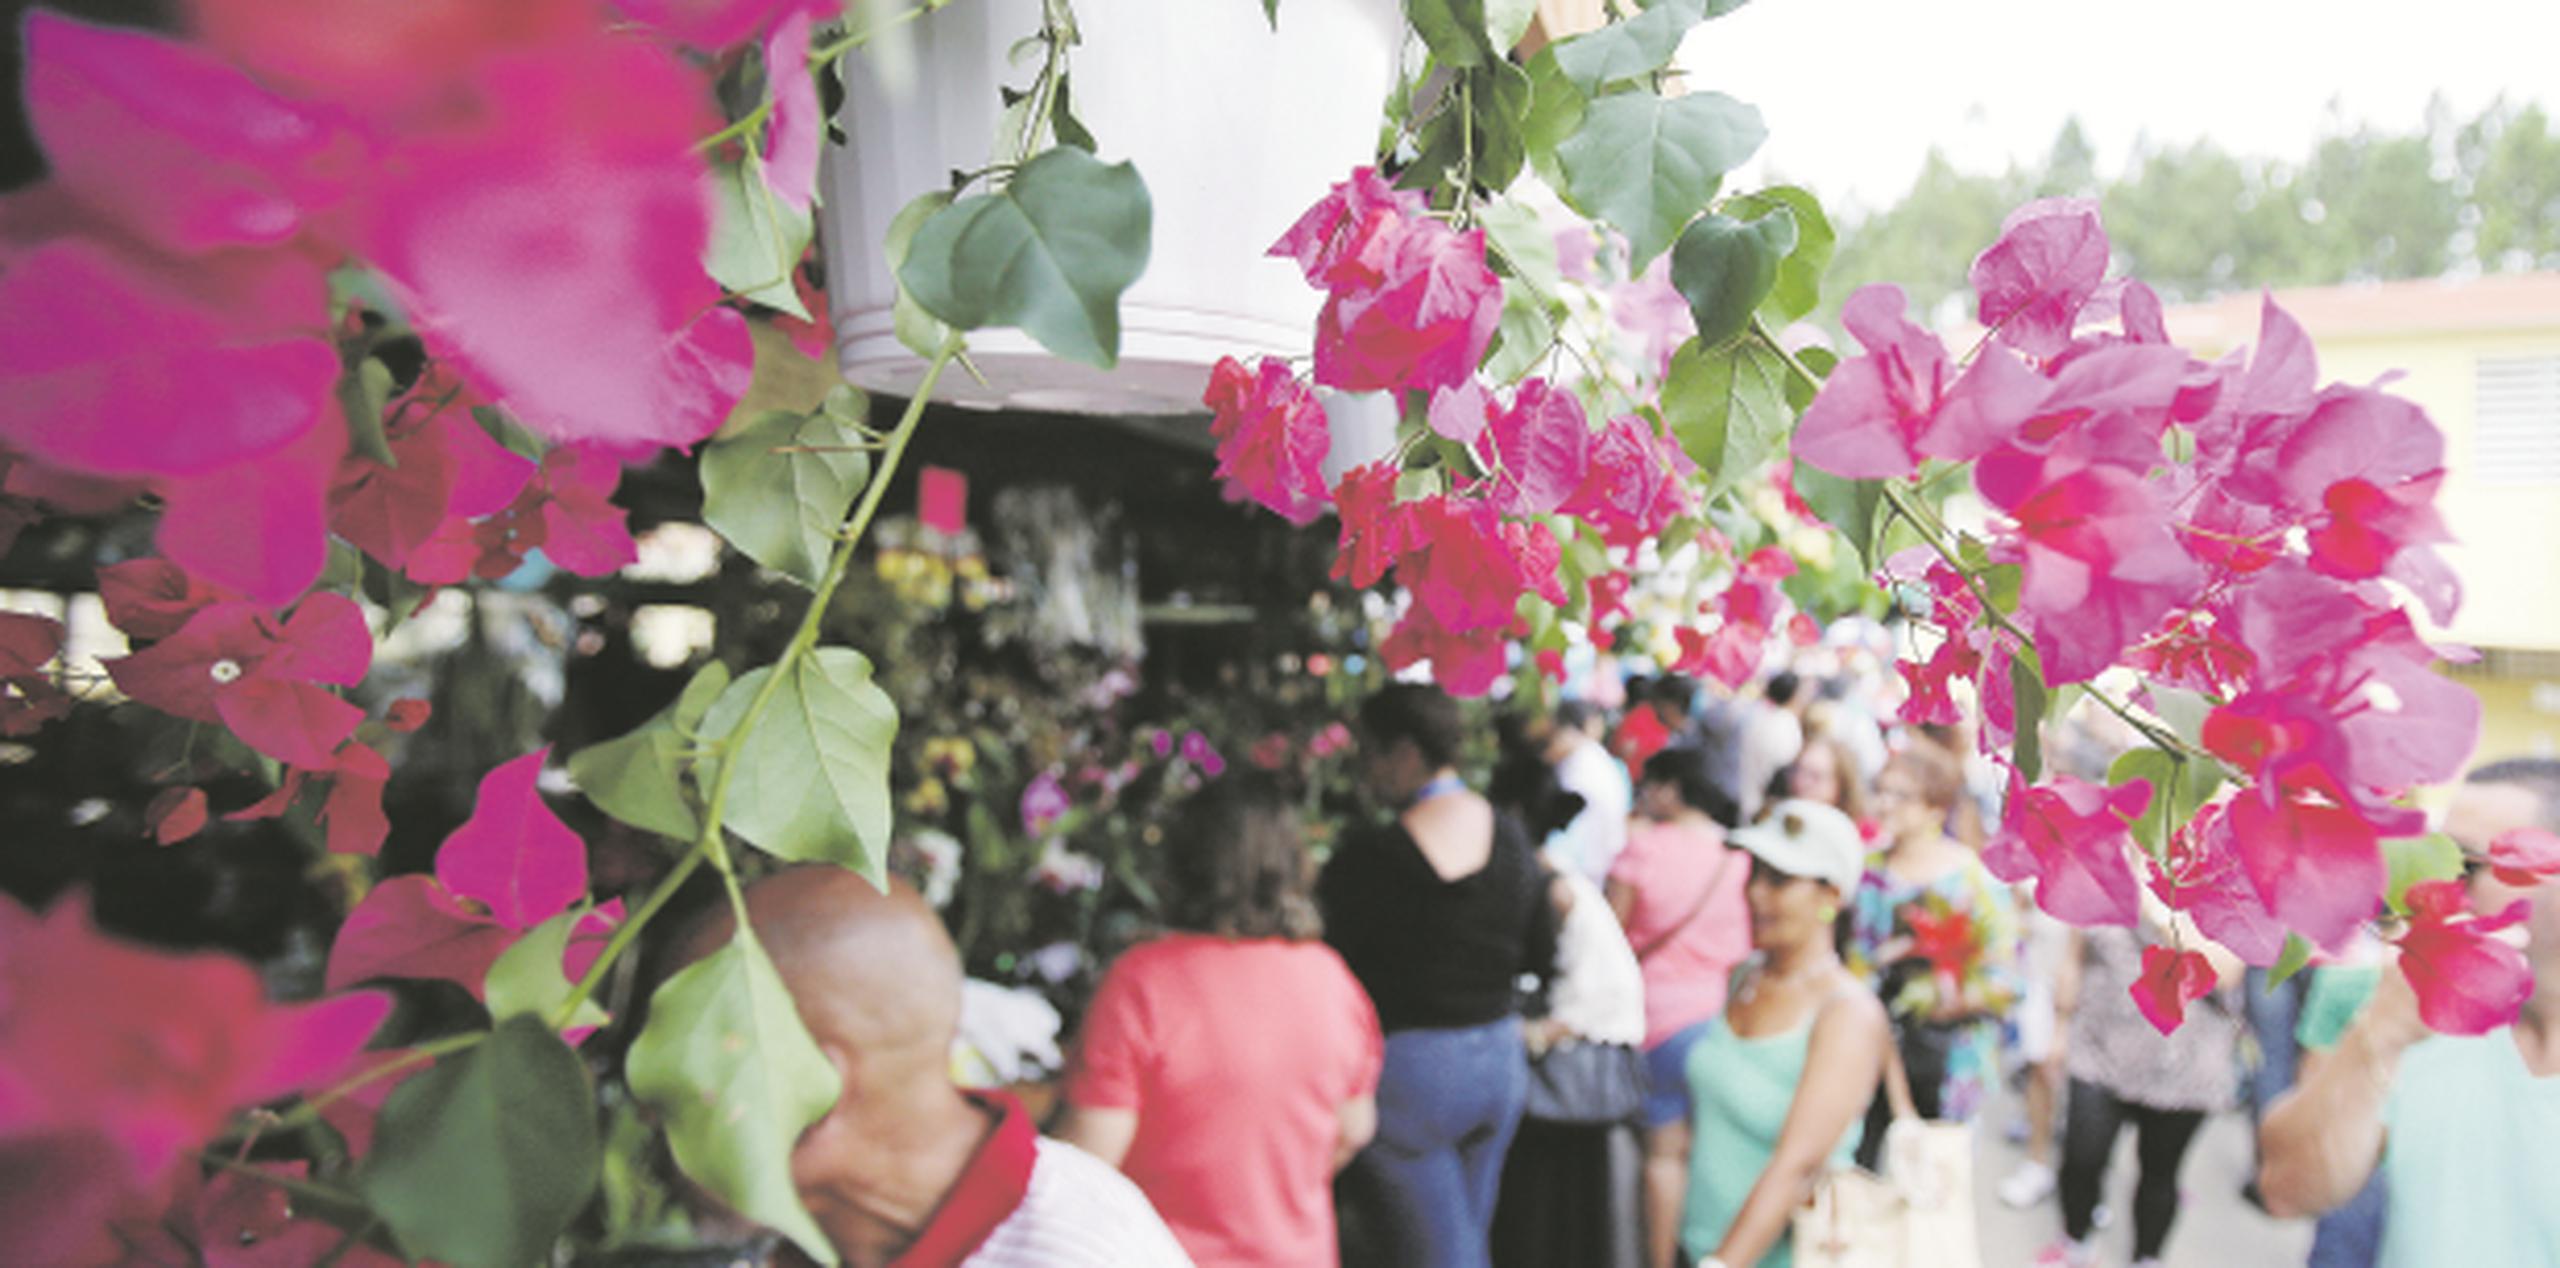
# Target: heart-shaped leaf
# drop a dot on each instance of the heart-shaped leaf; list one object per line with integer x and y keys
{"x": 812, "y": 780}
{"x": 1727, "y": 406}
{"x": 757, "y": 238}
{"x": 1647, "y": 165}
{"x": 1637, "y": 46}
{"x": 485, "y": 1159}
{"x": 779, "y": 488}
{"x": 1050, "y": 254}
{"x": 528, "y": 980}
{"x": 727, "y": 1062}
{"x": 1724, "y": 267}
{"x": 1799, "y": 286}
{"x": 639, "y": 778}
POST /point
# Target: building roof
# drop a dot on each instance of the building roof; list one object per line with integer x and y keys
{"x": 2499, "y": 302}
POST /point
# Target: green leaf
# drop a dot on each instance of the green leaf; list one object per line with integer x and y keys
{"x": 2002, "y": 582}
{"x": 1063, "y": 122}
{"x": 726, "y": 1061}
{"x": 920, "y": 331}
{"x": 527, "y": 981}
{"x": 780, "y": 487}
{"x": 2026, "y": 684}
{"x": 1798, "y": 290}
{"x": 639, "y": 778}
{"x": 2411, "y": 860}
{"x": 1049, "y": 254}
{"x": 1847, "y": 505}
{"x": 1637, "y": 46}
{"x": 1647, "y": 165}
{"x": 1727, "y": 407}
{"x": 364, "y": 389}
{"x": 1271, "y": 13}
{"x": 511, "y": 435}
{"x": 2296, "y": 956}
{"x": 1523, "y": 243}
{"x": 1505, "y": 21}
{"x": 756, "y": 239}
{"x": 2184, "y": 711}
{"x": 1556, "y": 108}
{"x": 1724, "y": 267}
{"x": 485, "y": 1159}
{"x": 1817, "y": 360}
{"x": 1522, "y": 339}
{"x": 1497, "y": 101}
{"x": 812, "y": 780}
{"x": 1454, "y": 31}
{"x": 2178, "y": 788}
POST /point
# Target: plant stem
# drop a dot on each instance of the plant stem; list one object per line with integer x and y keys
{"x": 420, "y": 1055}
{"x": 746, "y": 123}
{"x": 856, "y": 39}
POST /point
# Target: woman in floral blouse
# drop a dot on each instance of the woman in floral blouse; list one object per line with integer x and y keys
{"x": 1938, "y": 935}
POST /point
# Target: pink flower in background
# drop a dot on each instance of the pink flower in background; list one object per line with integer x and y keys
{"x": 1636, "y": 484}
{"x": 1271, "y": 438}
{"x": 1044, "y": 803}
{"x": 266, "y": 678}
{"x": 1903, "y": 399}
{"x": 151, "y": 1049}
{"x": 2467, "y": 982}
{"x": 2071, "y": 836}
{"x": 1465, "y": 663}
{"x": 2170, "y": 981}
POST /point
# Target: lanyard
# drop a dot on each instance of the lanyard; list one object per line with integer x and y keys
{"x": 1438, "y": 786}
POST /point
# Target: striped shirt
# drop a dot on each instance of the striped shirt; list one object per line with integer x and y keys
{"x": 1030, "y": 1202}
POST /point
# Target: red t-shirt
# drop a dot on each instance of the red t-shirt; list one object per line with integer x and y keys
{"x": 1235, "y": 1055}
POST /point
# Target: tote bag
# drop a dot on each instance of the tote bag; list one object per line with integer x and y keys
{"x": 1919, "y": 1214}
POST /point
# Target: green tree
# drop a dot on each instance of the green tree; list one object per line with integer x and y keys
{"x": 2511, "y": 162}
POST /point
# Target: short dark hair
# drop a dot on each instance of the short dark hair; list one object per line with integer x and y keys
{"x": 1782, "y": 687}
{"x": 1577, "y": 714}
{"x": 1936, "y": 770}
{"x": 1237, "y": 863}
{"x": 2537, "y": 775}
{"x": 1418, "y": 712}
{"x": 1676, "y": 692}
{"x": 1685, "y": 769}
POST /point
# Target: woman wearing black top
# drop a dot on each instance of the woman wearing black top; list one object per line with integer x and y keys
{"x": 1438, "y": 913}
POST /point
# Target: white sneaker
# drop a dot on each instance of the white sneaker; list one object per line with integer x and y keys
{"x": 2031, "y": 1183}
{"x": 2065, "y": 1253}
{"x": 2102, "y": 1216}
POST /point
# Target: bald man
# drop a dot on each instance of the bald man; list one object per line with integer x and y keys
{"x": 908, "y": 1170}
{"x": 2466, "y": 1130}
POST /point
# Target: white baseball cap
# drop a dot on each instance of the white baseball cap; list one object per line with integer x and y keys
{"x": 1809, "y": 839}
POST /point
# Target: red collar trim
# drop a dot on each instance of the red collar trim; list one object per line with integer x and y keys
{"x": 989, "y": 1191}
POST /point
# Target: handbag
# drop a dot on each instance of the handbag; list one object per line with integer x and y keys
{"x": 1574, "y": 1081}
{"x": 1919, "y": 1214}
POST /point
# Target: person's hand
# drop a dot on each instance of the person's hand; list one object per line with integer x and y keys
{"x": 2390, "y": 1019}
{"x": 1544, "y": 1033}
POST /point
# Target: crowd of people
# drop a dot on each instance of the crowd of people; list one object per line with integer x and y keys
{"x": 1626, "y": 1004}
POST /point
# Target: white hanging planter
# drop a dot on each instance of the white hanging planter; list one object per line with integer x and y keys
{"x": 1236, "y": 129}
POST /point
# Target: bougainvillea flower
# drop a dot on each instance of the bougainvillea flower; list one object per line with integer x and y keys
{"x": 508, "y": 868}
{"x": 1729, "y": 655}
{"x": 797, "y": 123}
{"x": 1332, "y": 238}
{"x": 120, "y": 367}
{"x": 444, "y": 466}
{"x": 176, "y": 814}
{"x": 2524, "y": 857}
{"x": 2108, "y": 406}
{"x": 568, "y": 215}
{"x": 151, "y": 1048}
{"x": 1271, "y": 438}
{"x": 1375, "y": 528}
{"x": 1423, "y": 323}
{"x": 1903, "y": 399}
{"x": 151, "y": 599}
{"x": 1539, "y": 447}
{"x": 566, "y": 511}
{"x": 266, "y": 679}
{"x": 1465, "y": 663}
{"x": 1928, "y": 700}
{"x": 716, "y": 24}
{"x": 2071, "y": 836}
{"x": 2100, "y": 569}
{"x": 175, "y": 144}
{"x": 2047, "y": 263}
{"x": 2467, "y": 982}
{"x": 394, "y": 58}
{"x": 2170, "y": 981}
{"x": 258, "y": 526}
{"x": 1637, "y": 483}
{"x": 1942, "y": 936}
{"x": 2319, "y": 867}
{"x": 2368, "y": 526}
{"x": 1460, "y": 566}
{"x": 1458, "y": 412}
{"x": 2191, "y": 651}
{"x": 1608, "y": 598}
{"x": 2204, "y": 878}
{"x": 29, "y": 698}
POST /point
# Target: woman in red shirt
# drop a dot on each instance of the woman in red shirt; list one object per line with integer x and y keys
{"x": 1231, "y": 1065}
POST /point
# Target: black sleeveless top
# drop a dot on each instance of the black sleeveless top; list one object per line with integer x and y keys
{"x": 1435, "y": 953}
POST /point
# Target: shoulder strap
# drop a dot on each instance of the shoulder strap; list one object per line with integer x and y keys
{"x": 1705, "y": 893}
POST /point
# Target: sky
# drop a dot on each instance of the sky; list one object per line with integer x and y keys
{"x": 1855, "y": 92}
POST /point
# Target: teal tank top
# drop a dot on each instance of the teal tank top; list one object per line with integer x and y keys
{"x": 1739, "y": 1091}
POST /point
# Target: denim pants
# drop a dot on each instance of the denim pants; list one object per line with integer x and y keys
{"x": 1448, "y": 1103}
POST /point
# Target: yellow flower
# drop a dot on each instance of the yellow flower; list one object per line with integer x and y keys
{"x": 950, "y": 756}
{"x": 928, "y": 798}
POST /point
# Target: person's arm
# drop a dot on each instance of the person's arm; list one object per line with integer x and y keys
{"x": 1622, "y": 900}
{"x": 1842, "y": 1059}
{"x": 1355, "y": 1124}
{"x": 1104, "y": 1133}
{"x": 2321, "y": 1141}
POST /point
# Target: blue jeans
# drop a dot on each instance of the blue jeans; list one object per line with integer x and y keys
{"x": 2350, "y": 1236}
{"x": 1448, "y": 1102}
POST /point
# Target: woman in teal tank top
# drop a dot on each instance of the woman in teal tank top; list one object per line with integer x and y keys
{"x": 1780, "y": 1083}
